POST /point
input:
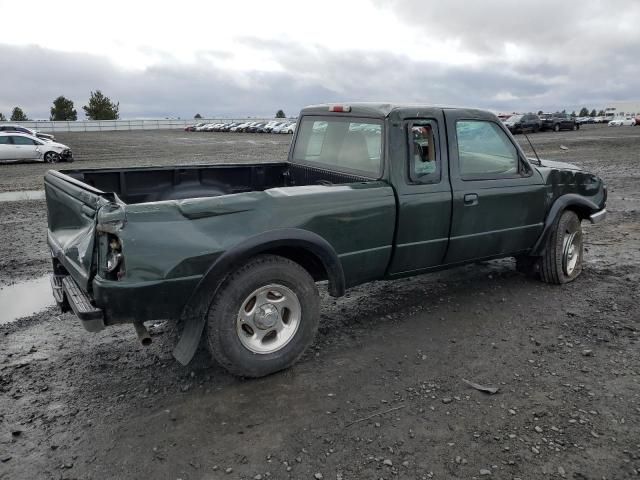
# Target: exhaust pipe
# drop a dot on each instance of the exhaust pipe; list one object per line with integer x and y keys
{"x": 143, "y": 334}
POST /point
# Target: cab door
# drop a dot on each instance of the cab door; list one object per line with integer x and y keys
{"x": 421, "y": 178}
{"x": 498, "y": 198}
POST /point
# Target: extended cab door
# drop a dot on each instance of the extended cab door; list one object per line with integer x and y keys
{"x": 418, "y": 158}
{"x": 498, "y": 198}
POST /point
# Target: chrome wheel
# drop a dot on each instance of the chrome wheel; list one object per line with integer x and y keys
{"x": 570, "y": 252}
{"x": 268, "y": 319}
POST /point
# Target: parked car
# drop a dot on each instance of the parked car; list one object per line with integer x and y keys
{"x": 28, "y": 131}
{"x": 291, "y": 128}
{"x": 18, "y": 147}
{"x": 277, "y": 128}
{"x": 453, "y": 189}
{"x": 623, "y": 122}
{"x": 239, "y": 127}
{"x": 193, "y": 128}
{"x": 255, "y": 127}
{"x": 585, "y": 120}
{"x": 228, "y": 126}
{"x": 269, "y": 128}
{"x": 638, "y": 120}
{"x": 558, "y": 121}
{"x": 529, "y": 122}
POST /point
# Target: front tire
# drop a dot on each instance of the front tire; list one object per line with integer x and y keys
{"x": 556, "y": 127}
{"x": 51, "y": 157}
{"x": 562, "y": 259}
{"x": 263, "y": 317}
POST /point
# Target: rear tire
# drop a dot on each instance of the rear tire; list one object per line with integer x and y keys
{"x": 562, "y": 258}
{"x": 263, "y": 317}
{"x": 556, "y": 127}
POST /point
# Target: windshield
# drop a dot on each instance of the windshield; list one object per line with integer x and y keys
{"x": 341, "y": 143}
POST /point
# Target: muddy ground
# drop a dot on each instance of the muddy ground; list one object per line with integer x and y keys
{"x": 380, "y": 394}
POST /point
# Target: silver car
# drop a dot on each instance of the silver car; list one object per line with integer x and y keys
{"x": 18, "y": 147}
{"x": 20, "y": 129}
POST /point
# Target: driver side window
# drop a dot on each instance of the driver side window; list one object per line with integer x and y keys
{"x": 485, "y": 151}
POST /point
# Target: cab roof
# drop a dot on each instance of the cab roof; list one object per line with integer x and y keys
{"x": 382, "y": 110}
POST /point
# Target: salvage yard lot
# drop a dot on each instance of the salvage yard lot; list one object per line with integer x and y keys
{"x": 566, "y": 359}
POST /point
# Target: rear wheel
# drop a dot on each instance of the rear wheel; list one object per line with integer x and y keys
{"x": 562, "y": 259}
{"x": 264, "y": 317}
{"x": 556, "y": 127}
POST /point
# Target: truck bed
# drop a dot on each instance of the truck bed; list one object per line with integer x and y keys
{"x": 152, "y": 184}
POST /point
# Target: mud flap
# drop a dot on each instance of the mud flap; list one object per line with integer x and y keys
{"x": 189, "y": 339}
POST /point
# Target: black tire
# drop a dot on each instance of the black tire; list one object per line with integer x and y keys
{"x": 51, "y": 157}
{"x": 223, "y": 337}
{"x": 576, "y": 126}
{"x": 555, "y": 263}
{"x": 556, "y": 127}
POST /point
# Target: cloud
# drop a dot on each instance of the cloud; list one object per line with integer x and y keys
{"x": 549, "y": 65}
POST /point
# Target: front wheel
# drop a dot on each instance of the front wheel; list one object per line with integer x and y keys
{"x": 51, "y": 157}
{"x": 562, "y": 259}
{"x": 556, "y": 127}
{"x": 263, "y": 317}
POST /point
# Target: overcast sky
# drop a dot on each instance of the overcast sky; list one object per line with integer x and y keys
{"x": 228, "y": 58}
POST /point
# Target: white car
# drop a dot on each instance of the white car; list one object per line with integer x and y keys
{"x": 28, "y": 131}
{"x": 623, "y": 122}
{"x": 289, "y": 129}
{"x": 239, "y": 127}
{"x": 17, "y": 147}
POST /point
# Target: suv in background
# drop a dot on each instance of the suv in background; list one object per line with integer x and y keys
{"x": 558, "y": 121}
{"x": 529, "y": 122}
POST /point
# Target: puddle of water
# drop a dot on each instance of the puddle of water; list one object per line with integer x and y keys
{"x": 25, "y": 298}
{"x": 22, "y": 195}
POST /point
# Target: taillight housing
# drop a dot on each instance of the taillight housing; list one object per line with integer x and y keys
{"x": 114, "y": 262}
{"x": 340, "y": 108}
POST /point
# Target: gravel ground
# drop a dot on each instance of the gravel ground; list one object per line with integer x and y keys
{"x": 380, "y": 394}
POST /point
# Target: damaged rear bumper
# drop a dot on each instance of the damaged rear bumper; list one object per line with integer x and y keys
{"x": 65, "y": 288}
{"x": 117, "y": 302}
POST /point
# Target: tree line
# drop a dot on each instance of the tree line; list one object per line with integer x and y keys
{"x": 99, "y": 107}
{"x": 584, "y": 112}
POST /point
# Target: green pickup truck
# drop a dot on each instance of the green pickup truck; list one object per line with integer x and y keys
{"x": 368, "y": 192}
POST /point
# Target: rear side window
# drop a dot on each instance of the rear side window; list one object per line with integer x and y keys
{"x": 4, "y": 141}
{"x": 342, "y": 143}
{"x": 424, "y": 157}
{"x": 485, "y": 151}
{"x": 23, "y": 141}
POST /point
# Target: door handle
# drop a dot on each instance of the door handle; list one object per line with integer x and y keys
{"x": 470, "y": 199}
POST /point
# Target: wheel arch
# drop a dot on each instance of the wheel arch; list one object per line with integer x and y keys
{"x": 570, "y": 201}
{"x": 306, "y": 248}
